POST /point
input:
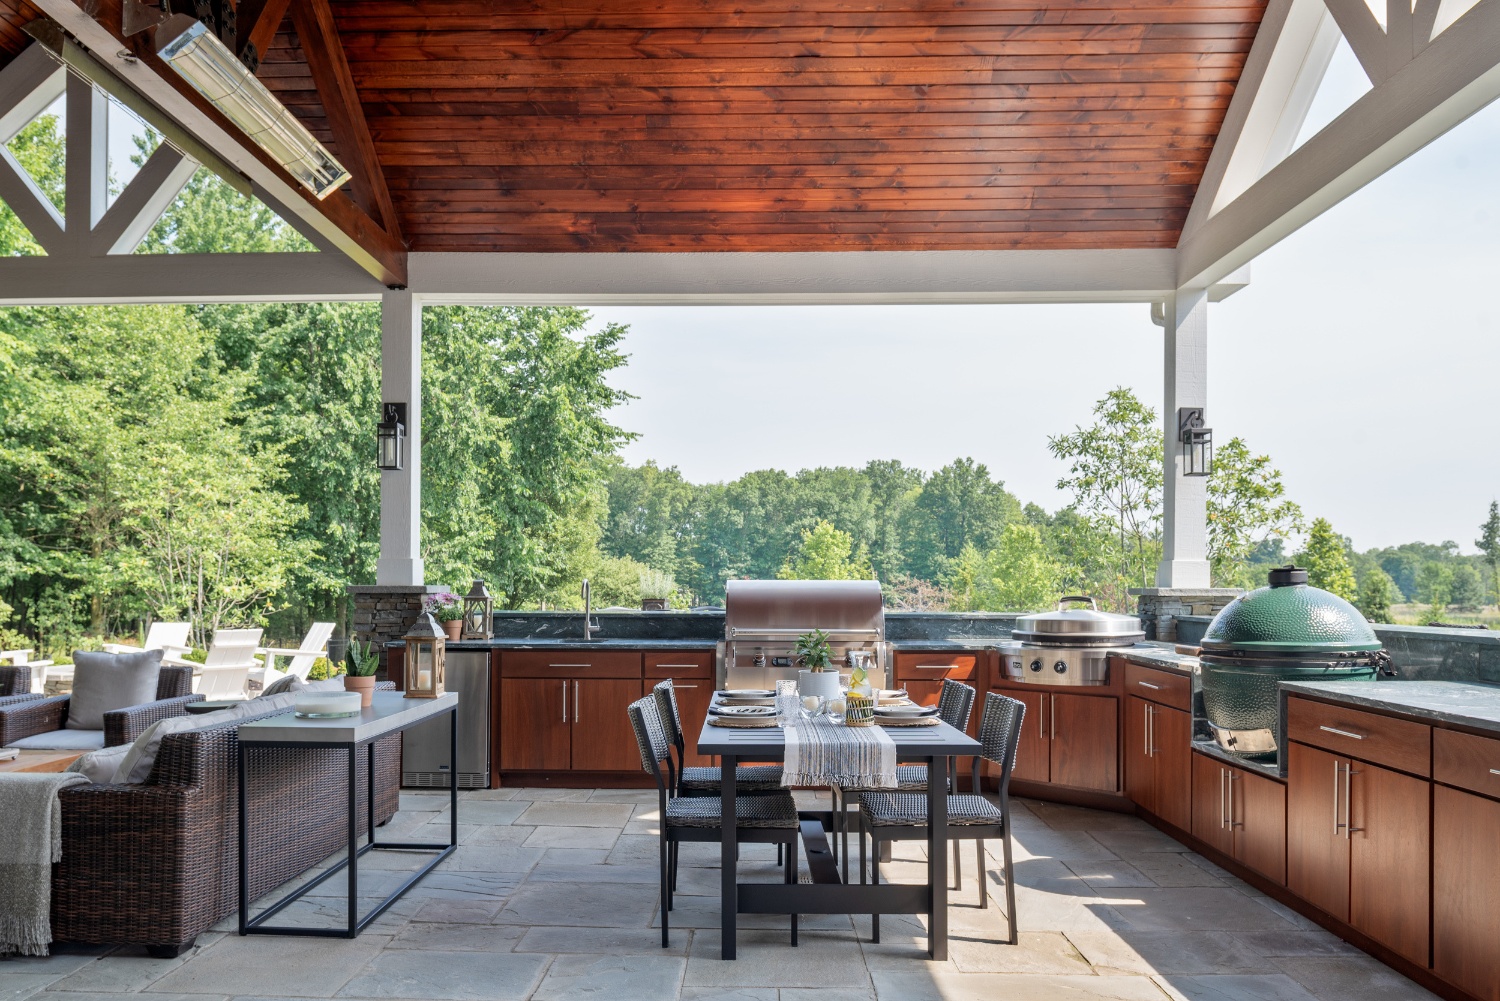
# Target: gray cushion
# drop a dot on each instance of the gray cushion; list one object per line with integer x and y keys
{"x": 104, "y": 682}
{"x": 99, "y": 767}
{"x": 62, "y": 740}
{"x": 290, "y": 683}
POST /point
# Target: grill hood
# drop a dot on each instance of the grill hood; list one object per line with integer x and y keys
{"x": 781, "y": 610}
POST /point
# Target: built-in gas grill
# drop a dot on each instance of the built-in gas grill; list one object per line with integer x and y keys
{"x": 1070, "y": 646}
{"x": 763, "y": 618}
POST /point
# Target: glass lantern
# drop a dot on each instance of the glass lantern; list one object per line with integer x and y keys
{"x": 479, "y": 612}
{"x": 1197, "y": 442}
{"x": 390, "y": 437}
{"x": 425, "y": 653}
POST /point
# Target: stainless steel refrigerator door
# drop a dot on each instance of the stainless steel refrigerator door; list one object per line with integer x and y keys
{"x": 424, "y": 756}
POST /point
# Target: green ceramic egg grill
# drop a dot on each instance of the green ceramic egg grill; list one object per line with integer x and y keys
{"x": 1285, "y": 632}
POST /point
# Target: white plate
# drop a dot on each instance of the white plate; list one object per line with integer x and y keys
{"x": 745, "y": 710}
{"x": 746, "y": 693}
{"x": 892, "y": 693}
{"x": 905, "y": 711}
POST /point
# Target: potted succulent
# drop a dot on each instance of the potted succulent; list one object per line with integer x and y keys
{"x": 361, "y": 661}
{"x": 449, "y": 610}
{"x": 815, "y": 655}
{"x": 656, "y": 588}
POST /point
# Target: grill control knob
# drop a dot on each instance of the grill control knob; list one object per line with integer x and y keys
{"x": 1061, "y": 667}
{"x": 1036, "y": 665}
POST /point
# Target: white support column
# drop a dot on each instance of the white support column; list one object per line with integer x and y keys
{"x": 401, "y": 490}
{"x": 1184, "y": 498}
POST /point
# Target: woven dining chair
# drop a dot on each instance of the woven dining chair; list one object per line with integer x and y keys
{"x": 764, "y": 818}
{"x": 703, "y": 780}
{"x": 955, "y": 706}
{"x": 902, "y": 816}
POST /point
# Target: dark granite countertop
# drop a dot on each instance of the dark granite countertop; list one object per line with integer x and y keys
{"x": 968, "y": 644}
{"x": 1164, "y": 656}
{"x": 1458, "y": 702}
{"x": 576, "y": 643}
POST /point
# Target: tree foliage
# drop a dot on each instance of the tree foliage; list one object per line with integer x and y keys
{"x": 1247, "y": 506}
{"x": 825, "y": 553}
{"x": 1327, "y": 561}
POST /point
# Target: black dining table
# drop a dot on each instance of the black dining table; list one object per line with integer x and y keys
{"x": 828, "y": 893}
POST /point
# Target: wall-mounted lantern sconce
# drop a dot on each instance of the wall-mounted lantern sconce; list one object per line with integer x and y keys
{"x": 1197, "y": 442}
{"x": 390, "y": 436}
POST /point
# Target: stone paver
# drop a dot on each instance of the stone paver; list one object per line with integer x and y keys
{"x": 553, "y": 894}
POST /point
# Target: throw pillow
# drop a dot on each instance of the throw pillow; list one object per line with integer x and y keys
{"x": 103, "y": 682}
{"x": 99, "y": 767}
{"x": 288, "y": 684}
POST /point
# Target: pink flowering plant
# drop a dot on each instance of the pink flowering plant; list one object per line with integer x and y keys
{"x": 445, "y": 607}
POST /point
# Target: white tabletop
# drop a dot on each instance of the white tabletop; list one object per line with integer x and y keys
{"x": 387, "y": 713}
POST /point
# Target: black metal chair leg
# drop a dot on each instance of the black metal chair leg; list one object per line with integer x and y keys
{"x": 1010, "y": 886}
{"x": 958, "y": 869}
{"x": 676, "y": 850}
{"x": 666, "y": 898}
{"x": 791, "y": 877}
{"x": 984, "y": 879}
{"x": 778, "y": 853}
{"x": 874, "y": 881}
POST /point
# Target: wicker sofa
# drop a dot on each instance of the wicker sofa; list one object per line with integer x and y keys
{"x": 157, "y": 864}
{"x": 23, "y": 718}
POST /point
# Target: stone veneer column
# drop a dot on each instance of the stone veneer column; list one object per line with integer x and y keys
{"x": 385, "y": 612}
{"x": 1159, "y": 607}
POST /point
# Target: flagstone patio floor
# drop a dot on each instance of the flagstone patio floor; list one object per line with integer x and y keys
{"x": 553, "y": 894}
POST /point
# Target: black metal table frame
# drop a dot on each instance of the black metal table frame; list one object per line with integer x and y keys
{"x": 357, "y": 924}
{"x": 834, "y": 896}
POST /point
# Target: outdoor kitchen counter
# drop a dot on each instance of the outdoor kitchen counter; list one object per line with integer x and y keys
{"x": 1163, "y": 656}
{"x": 1457, "y": 702}
{"x": 575, "y": 643}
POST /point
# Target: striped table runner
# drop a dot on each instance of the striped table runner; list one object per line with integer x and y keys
{"x": 820, "y": 752}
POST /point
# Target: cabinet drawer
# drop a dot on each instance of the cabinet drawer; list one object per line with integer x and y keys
{"x": 1382, "y": 740}
{"x": 680, "y": 664}
{"x": 569, "y": 664}
{"x": 1175, "y": 690}
{"x": 1466, "y": 761}
{"x": 937, "y": 666}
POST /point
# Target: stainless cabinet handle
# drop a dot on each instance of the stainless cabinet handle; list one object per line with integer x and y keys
{"x": 684, "y": 686}
{"x": 1146, "y": 730}
{"x": 1054, "y": 717}
{"x": 565, "y": 701}
{"x": 577, "y": 688}
{"x": 940, "y": 667}
{"x": 1349, "y": 829}
{"x": 1041, "y": 731}
{"x": 1151, "y": 731}
{"x": 570, "y": 665}
{"x": 678, "y": 665}
{"x": 1343, "y": 733}
{"x": 1232, "y": 822}
{"x": 1495, "y": 771}
{"x": 1223, "y": 811}
{"x": 1337, "y": 827}
{"x": 1147, "y": 684}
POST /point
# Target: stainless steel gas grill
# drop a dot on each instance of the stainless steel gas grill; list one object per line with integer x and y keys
{"x": 1069, "y": 646}
{"x": 763, "y": 618}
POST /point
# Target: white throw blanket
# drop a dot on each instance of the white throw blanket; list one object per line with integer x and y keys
{"x": 820, "y": 752}
{"x": 30, "y": 842}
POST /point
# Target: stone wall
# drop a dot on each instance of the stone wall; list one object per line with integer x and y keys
{"x": 385, "y": 612}
{"x": 1159, "y": 607}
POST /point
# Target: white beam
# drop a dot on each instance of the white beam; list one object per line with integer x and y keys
{"x": 197, "y": 278}
{"x": 886, "y": 277}
{"x": 1287, "y": 62}
{"x": 1365, "y": 36}
{"x": 1449, "y": 80}
{"x": 31, "y": 206}
{"x": 1184, "y": 498}
{"x": 86, "y": 162}
{"x": 149, "y": 193}
{"x": 400, "y": 559}
{"x": 28, "y": 84}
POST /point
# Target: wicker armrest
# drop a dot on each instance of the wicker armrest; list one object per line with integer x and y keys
{"x": 25, "y": 719}
{"x": 122, "y": 726}
{"x": 174, "y": 681}
{"x": 15, "y": 679}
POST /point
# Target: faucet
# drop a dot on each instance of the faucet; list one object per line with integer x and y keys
{"x": 589, "y": 624}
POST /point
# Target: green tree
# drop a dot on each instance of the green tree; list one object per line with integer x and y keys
{"x": 1435, "y": 586}
{"x": 1247, "y": 506}
{"x": 825, "y": 553}
{"x": 1115, "y": 473}
{"x": 1018, "y": 574}
{"x": 893, "y": 490}
{"x": 1327, "y": 561}
{"x": 958, "y": 505}
{"x": 38, "y": 148}
{"x": 651, "y": 514}
{"x": 1489, "y": 544}
{"x": 1376, "y": 594}
{"x": 1467, "y": 589}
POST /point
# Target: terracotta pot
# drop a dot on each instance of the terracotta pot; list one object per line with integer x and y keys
{"x": 454, "y": 628}
{"x": 365, "y": 686}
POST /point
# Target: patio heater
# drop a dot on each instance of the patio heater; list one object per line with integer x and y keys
{"x": 479, "y": 612}
{"x": 426, "y": 645}
{"x": 1197, "y": 442}
{"x": 390, "y": 437}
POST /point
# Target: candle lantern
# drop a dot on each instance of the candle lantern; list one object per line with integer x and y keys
{"x": 1197, "y": 442}
{"x": 425, "y": 654}
{"x": 390, "y": 437}
{"x": 479, "y": 613}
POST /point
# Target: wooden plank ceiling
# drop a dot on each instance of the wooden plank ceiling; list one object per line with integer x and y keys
{"x": 784, "y": 125}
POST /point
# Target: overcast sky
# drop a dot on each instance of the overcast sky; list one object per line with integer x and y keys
{"x": 1363, "y": 358}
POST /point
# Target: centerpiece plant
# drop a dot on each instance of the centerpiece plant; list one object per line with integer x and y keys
{"x": 813, "y": 651}
{"x": 361, "y": 661}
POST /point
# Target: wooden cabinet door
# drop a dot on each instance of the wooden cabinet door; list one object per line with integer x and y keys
{"x": 923, "y": 693}
{"x": 1211, "y": 804}
{"x": 603, "y": 740}
{"x": 1389, "y": 846}
{"x": 1172, "y": 753}
{"x": 1465, "y": 888}
{"x": 693, "y": 697}
{"x": 1258, "y": 806}
{"x": 1317, "y": 854}
{"x": 1084, "y": 734}
{"x": 533, "y": 733}
{"x": 1140, "y": 765}
{"x": 1033, "y": 750}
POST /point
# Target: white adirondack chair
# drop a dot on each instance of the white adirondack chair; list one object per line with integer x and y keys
{"x": 313, "y": 646}
{"x": 226, "y": 672}
{"x": 225, "y": 638}
{"x": 168, "y": 637}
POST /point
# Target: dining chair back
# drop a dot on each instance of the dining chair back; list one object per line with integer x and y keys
{"x": 956, "y": 704}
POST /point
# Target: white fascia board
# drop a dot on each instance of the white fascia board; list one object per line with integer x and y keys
{"x": 1449, "y": 80}
{"x": 764, "y": 279}
{"x": 191, "y": 278}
